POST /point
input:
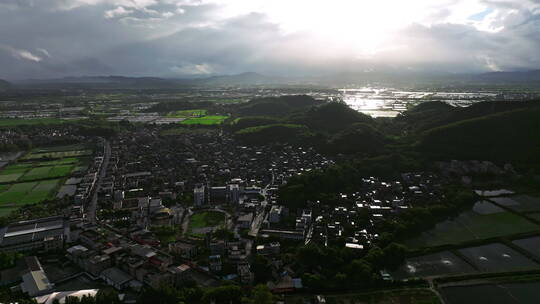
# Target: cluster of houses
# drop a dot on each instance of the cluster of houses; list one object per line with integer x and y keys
{"x": 150, "y": 182}
{"x": 355, "y": 217}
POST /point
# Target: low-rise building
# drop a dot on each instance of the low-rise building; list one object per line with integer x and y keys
{"x": 116, "y": 278}
{"x": 183, "y": 249}
{"x": 41, "y": 234}
{"x": 35, "y": 281}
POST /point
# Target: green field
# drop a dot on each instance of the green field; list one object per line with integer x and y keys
{"x": 469, "y": 226}
{"x": 15, "y": 194}
{"x": 13, "y": 122}
{"x": 5, "y": 211}
{"x": 57, "y": 154}
{"x": 187, "y": 113}
{"x": 205, "y": 120}
{"x": 47, "y": 172}
{"x": 206, "y": 219}
{"x": 27, "y": 193}
{"x": 37, "y": 177}
{"x": 73, "y": 147}
{"x": 41, "y": 192}
{"x": 34, "y": 171}
{"x": 8, "y": 177}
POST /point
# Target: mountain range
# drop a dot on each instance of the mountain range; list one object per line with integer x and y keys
{"x": 395, "y": 78}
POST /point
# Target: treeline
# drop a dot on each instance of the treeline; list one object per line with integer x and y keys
{"x": 191, "y": 293}
{"x": 345, "y": 269}
{"x": 179, "y": 105}
{"x": 272, "y": 133}
{"x": 275, "y": 106}
{"x": 433, "y": 114}
{"x": 512, "y": 136}
{"x": 332, "y": 127}
{"x": 46, "y": 208}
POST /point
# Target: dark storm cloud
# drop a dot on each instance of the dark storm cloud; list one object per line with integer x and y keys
{"x": 55, "y": 38}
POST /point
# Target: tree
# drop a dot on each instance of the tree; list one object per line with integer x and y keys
{"x": 107, "y": 296}
{"x": 260, "y": 295}
{"x": 228, "y": 294}
{"x": 394, "y": 255}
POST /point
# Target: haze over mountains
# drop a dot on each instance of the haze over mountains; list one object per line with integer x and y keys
{"x": 255, "y": 79}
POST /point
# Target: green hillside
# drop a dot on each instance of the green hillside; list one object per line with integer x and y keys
{"x": 508, "y": 136}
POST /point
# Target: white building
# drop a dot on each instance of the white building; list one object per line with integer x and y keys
{"x": 198, "y": 195}
{"x": 234, "y": 193}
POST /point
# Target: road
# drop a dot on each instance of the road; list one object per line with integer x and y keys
{"x": 92, "y": 206}
{"x": 261, "y": 213}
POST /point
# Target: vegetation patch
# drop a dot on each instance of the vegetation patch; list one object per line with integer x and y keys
{"x": 27, "y": 193}
{"x": 470, "y": 225}
{"x": 14, "y": 122}
{"x": 74, "y": 147}
{"x": 205, "y": 120}
{"x": 187, "y": 113}
{"x": 59, "y": 154}
{"x": 206, "y": 219}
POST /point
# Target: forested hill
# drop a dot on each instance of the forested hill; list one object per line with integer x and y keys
{"x": 4, "y": 84}
{"x": 434, "y": 114}
{"x": 510, "y": 136}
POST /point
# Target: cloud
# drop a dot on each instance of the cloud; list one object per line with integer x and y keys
{"x": 117, "y": 12}
{"x": 20, "y": 53}
{"x": 44, "y": 52}
{"x": 199, "y": 37}
{"x": 193, "y": 69}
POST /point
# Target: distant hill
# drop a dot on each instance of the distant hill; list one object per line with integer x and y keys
{"x": 119, "y": 82}
{"x": 276, "y": 106}
{"x": 244, "y": 79}
{"x": 524, "y": 77}
{"x": 330, "y": 117}
{"x": 275, "y": 133}
{"x": 511, "y": 136}
{"x": 358, "y": 138}
{"x": 4, "y": 84}
{"x": 434, "y": 114}
{"x": 253, "y": 121}
{"x": 383, "y": 76}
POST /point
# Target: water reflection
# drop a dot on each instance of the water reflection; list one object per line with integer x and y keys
{"x": 390, "y": 103}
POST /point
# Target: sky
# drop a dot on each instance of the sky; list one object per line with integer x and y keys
{"x": 197, "y": 38}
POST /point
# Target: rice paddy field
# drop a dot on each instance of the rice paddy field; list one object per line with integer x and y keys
{"x": 38, "y": 175}
{"x": 519, "y": 292}
{"x": 205, "y": 120}
{"x": 57, "y": 154}
{"x": 27, "y": 193}
{"x": 497, "y": 258}
{"x": 519, "y": 203}
{"x": 532, "y": 245}
{"x": 440, "y": 263}
{"x": 34, "y": 171}
{"x": 484, "y": 220}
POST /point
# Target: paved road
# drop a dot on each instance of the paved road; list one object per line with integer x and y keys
{"x": 92, "y": 206}
{"x": 261, "y": 212}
